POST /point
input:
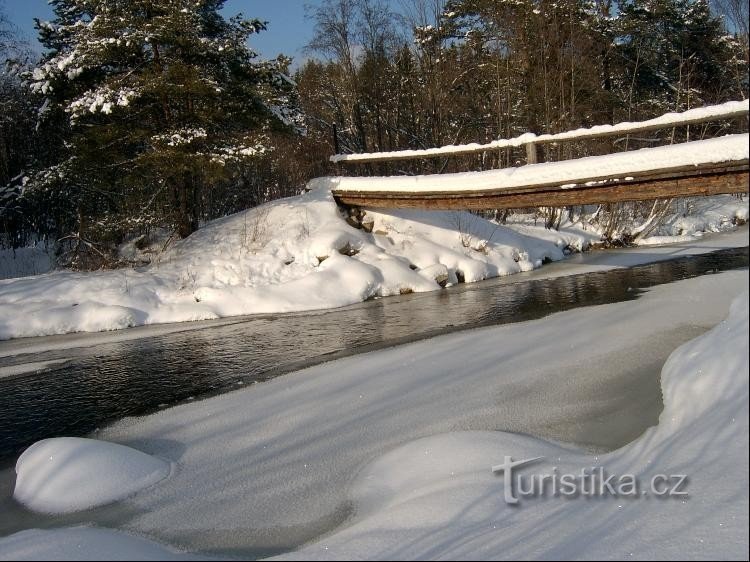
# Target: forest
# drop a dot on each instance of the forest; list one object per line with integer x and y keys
{"x": 155, "y": 116}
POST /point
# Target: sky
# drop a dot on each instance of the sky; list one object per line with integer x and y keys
{"x": 288, "y": 29}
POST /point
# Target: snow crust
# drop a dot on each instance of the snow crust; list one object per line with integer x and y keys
{"x": 568, "y": 172}
{"x": 84, "y": 543}
{"x": 65, "y": 475}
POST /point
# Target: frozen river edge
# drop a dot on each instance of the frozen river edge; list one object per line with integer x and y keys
{"x": 257, "y": 467}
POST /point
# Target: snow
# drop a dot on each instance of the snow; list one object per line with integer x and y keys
{"x": 715, "y": 112}
{"x": 698, "y": 216}
{"x": 299, "y": 254}
{"x": 436, "y": 498}
{"x": 65, "y": 475}
{"x": 21, "y": 262}
{"x": 366, "y": 445}
{"x": 84, "y": 543}
{"x": 729, "y": 148}
{"x": 23, "y": 368}
{"x": 573, "y": 264}
{"x": 290, "y": 255}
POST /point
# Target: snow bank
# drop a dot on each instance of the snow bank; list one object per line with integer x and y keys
{"x": 730, "y": 148}
{"x": 300, "y": 254}
{"x": 697, "y": 216}
{"x": 436, "y": 498}
{"x": 66, "y": 475}
{"x": 290, "y": 255}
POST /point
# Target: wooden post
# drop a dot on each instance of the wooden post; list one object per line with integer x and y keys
{"x": 531, "y": 153}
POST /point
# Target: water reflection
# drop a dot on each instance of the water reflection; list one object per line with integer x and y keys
{"x": 136, "y": 377}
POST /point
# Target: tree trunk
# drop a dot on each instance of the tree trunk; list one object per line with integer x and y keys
{"x": 186, "y": 220}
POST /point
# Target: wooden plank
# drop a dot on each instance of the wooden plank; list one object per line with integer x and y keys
{"x": 717, "y": 182}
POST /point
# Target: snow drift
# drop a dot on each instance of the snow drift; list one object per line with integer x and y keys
{"x": 436, "y": 498}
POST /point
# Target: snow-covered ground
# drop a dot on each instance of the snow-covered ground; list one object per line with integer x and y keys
{"x": 394, "y": 448}
{"x": 436, "y": 498}
{"x": 686, "y": 220}
{"x": 22, "y": 262}
{"x": 697, "y": 216}
{"x": 300, "y": 254}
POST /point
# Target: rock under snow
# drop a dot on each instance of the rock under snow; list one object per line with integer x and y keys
{"x": 65, "y": 475}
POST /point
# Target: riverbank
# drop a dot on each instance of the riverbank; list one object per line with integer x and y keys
{"x": 302, "y": 254}
{"x": 72, "y": 391}
{"x": 269, "y": 468}
{"x": 586, "y": 262}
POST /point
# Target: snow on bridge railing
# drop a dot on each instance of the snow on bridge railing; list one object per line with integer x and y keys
{"x": 728, "y": 110}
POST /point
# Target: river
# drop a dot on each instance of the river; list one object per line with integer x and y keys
{"x": 69, "y": 390}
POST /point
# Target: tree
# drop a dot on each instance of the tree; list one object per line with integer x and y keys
{"x": 676, "y": 54}
{"x": 164, "y": 100}
{"x": 17, "y": 139}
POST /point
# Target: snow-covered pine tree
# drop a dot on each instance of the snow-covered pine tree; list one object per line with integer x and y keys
{"x": 163, "y": 98}
{"x": 676, "y": 54}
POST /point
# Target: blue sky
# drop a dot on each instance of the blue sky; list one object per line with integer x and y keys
{"x": 288, "y": 30}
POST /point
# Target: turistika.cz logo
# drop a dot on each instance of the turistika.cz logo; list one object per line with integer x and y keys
{"x": 589, "y": 482}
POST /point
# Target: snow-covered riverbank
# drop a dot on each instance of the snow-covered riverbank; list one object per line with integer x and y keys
{"x": 394, "y": 445}
{"x": 300, "y": 254}
{"x": 290, "y": 255}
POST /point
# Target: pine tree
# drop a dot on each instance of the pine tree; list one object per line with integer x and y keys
{"x": 676, "y": 55}
{"x": 163, "y": 100}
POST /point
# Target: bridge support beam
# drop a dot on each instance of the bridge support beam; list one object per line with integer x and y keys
{"x": 683, "y": 184}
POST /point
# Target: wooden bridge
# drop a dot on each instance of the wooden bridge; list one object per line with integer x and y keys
{"x": 701, "y": 167}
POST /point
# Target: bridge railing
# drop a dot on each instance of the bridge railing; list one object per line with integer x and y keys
{"x": 531, "y": 142}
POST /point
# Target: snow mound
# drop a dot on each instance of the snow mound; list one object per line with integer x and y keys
{"x": 293, "y": 254}
{"x": 65, "y": 475}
